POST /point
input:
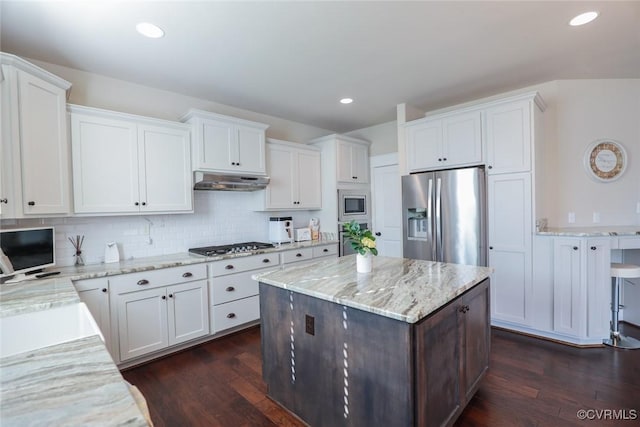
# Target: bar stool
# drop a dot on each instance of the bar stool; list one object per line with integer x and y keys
{"x": 619, "y": 272}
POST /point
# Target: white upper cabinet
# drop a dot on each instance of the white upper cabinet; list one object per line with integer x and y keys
{"x": 444, "y": 141}
{"x": 353, "y": 162}
{"x": 295, "y": 177}
{"x": 508, "y": 131}
{"x": 227, "y": 144}
{"x": 35, "y": 152}
{"x": 129, "y": 164}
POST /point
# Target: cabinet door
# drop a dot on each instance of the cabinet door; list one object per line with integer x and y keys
{"x": 250, "y": 150}
{"x": 164, "y": 169}
{"x": 569, "y": 296}
{"x": 510, "y": 251}
{"x": 8, "y": 202}
{"x": 282, "y": 173}
{"x": 424, "y": 146}
{"x": 438, "y": 367}
{"x": 476, "y": 336}
{"x": 44, "y": 146}
{"x": 352, "y": 162}
{"x": 508, "y": 132}
{"x": 462, "y": 140}
{"x": 95, "y": 294}
{"x": 309, "y": 180}
{"x": 105, "y": 165}
{"x": 142, "y": 322}
{"x": 216, "y": 146}
{"x": 188, "y": 311}
{"x": 598, "y": 287}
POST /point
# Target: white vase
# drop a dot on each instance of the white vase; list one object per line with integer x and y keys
{"x": 363, "y": 262}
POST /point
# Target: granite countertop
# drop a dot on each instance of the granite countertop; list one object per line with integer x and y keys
{"x": 76, "y": 382}
{"x": 399, "y": 288}
{"x": 602, "y": 231}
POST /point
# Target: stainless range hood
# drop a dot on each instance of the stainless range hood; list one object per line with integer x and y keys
{"x": 216, "y": 182}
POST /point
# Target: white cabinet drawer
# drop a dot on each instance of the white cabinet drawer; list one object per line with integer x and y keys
{"x": 154, "y": 278}
{"x": 240, "y": 264}
{"x": 302, "y": 254}
{"x": 625, "y": 242}
{"x": 231, "y": 314}
{"x": 320, "y": 251}
{"x": 232, "y": 287}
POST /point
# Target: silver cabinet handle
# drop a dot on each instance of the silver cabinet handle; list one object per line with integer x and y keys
{"x": 143, "y": 282}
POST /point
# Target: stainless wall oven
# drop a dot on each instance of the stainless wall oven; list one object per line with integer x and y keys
{"x": 345, "y": 244}
{"x": 353, "y": 205}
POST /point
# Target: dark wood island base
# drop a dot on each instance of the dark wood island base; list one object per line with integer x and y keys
{"x": 335, "y": 365}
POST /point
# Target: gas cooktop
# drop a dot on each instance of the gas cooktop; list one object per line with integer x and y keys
{"x": 234, "y": 248}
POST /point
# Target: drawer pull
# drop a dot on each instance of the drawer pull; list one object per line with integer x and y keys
{"x": 575, "y": 248}
{"x": 298, "y": 254}
{"x": 325, "y": 250}
{"x": 228, "y": 267}
{"x": 187, "y": 274}
{"x": 104, "y": 290}
{"x": 231, "y": 315}
{"x": 266, "y": 260}
{"x": 230, "y": 289}
{"x": 143, "y": 282}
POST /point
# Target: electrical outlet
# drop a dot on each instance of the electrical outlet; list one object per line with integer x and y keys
{"x": 309, "y": 324}
{"x": 596, "y": 217}
{"x": 571, "y": 218}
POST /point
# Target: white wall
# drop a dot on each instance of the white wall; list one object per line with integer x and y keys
{"x": 586, "y": 111}
{"x": 383, "y": 137}
{"x": 99, "y": 91}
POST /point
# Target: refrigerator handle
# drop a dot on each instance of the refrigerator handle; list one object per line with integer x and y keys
{"x": 437, "y": 241}
{"x": 430, "y": 218}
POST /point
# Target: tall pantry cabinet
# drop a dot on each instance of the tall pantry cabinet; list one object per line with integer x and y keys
{"x": 511, "y": 128}
{"x": 34, "y": 141}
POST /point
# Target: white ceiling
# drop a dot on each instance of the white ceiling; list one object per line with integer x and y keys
{"x": 295, "y": 60}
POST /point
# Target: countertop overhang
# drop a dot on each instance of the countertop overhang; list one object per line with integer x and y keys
{"x": 404, "y": 289}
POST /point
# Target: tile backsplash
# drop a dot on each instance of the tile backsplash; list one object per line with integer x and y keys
{"x": 219, "y": 217}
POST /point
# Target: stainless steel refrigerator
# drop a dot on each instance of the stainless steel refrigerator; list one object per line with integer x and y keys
{"x": 444, "y": 216}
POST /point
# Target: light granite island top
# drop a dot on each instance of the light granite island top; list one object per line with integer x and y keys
{"x": 399, "y": 288}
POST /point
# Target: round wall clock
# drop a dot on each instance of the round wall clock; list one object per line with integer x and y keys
{"x": 605, "y": 160}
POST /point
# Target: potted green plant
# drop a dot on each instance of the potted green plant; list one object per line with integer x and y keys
{"x": 364, "y": 243}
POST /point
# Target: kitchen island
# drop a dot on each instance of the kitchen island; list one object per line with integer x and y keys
{"x": 406, "y": 344}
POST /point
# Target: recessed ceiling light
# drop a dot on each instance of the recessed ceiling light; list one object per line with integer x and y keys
{"x": 583, "y": 18}
{"x": 346, "y": 101}
{"x": 150, "y": 30}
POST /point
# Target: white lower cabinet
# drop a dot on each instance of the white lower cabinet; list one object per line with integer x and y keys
{"x": 153, "y": 310}
{"x": 95, "y": 294}
{"x": 308, "y": 254}
{"x": 234, "y": 294}
{"x": 581, "y": 287}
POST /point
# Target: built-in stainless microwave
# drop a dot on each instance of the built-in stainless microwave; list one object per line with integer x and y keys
{"x": 353, "y": 205}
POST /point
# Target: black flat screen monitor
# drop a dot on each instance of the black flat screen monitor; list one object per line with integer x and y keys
{"x": 26, "y": 249}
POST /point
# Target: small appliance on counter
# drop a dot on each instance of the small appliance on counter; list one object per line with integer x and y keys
{"x": 111, "y": 253}
{"x": 303, "y": 234}
{"x": 280, "y": 229}
{"x": 314, "y": 226}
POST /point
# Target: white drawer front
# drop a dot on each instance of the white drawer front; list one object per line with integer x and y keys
{"x": 320, "y": 251}
{"x": 240, "y": 264}
{"x": 303, "y": 254}
{"x": 628, "y": 242}
{"x": 155, "y": 278}
{"x": 232, "y": 287}
{"x": 235, "y": 313}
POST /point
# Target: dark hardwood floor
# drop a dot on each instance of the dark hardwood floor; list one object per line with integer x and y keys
{"x": 531, "y": 382}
